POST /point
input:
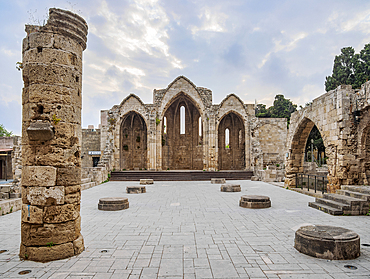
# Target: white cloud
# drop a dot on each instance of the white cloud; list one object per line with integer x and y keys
{"x": 212, "y": 21}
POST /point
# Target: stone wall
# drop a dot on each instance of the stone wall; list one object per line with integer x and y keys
{"x": 255, "y": 142}
{"x": 51, "y": 138}
{"x": 342, "y": 117}
{"x": 90, "y": 142}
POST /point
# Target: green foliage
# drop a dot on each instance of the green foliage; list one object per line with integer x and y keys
{"x": 55, "y": 119}
{"x": 108, "y": 175}
{"x": 282, "y": 108}
{"x": 4, "y": 132}
{"x": 50, "y": 244}
{"x": 11, "y": 209}
{"x": 350, "y": 68}
{"x": 157, "y": 121}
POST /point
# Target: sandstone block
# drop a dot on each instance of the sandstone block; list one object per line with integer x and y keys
{"x": 40, "y": 131}
{"x": 54, "y": 94}
{"x": 72, "y": 189}
{"x": 73, "y": 198}
{"x": 61, "y": 213}
{"x": 135, "y": 189}
{"x": 146, "y": 181}
{"x": 255, "y": 201}
{"x": 58, "y": 157}
{"x": 78, "y": 245}
{"x": 67, "y": 44}
{"x": 45, "y": 195}
{"x": 113, "y": 204}
{"x": 77, "y": 224}
{"x": 46, "y": 254}
{"x": 230, "y": 188}
{"x": 32, "y": 214}
{"x": 53, "y": 56}
{"x": 218, "y": 180}
{"x": 38, "y": 39}
{"x": 39, "y": 176}
{"x": 41, "y": 73}
{"x": 327, "y": 242}
{"x": 66, "y": 113}
{"x": 38, "y": 235}
{"x": 69, "y": 176}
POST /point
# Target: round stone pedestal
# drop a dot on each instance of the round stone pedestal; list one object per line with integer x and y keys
{"x": 327, "y": 242}
{"x": 253, "y": 201}
{"x": 135, "y": 189}
{"x": 218, "y": 180}
{"x": 113, "y": 204}
{"x": 230, "y": 188}
{"x": 146, "y": 181}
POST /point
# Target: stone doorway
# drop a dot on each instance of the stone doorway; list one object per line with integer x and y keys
{"x": 182, "y": 135}
{"x": 231, "y": 143}
{"x": 133, "y": 140}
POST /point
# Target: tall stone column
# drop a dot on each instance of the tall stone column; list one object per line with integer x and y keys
{"x": 51, "y": 138}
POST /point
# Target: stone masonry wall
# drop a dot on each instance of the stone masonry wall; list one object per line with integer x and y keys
{"x": 90, "y": 142}
{"x": 51, "y": 138}
{"x": 259, "y": 142}
{"x": 342, "y": 117}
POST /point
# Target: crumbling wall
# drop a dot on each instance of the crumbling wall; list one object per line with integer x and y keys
{"x": 51, "y": 138}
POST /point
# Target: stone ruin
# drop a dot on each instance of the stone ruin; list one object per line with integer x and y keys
{"x": 51, "y": 137}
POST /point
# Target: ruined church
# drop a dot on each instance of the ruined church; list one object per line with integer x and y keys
{"x": 183, "y": 130}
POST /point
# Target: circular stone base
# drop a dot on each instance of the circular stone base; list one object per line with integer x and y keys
{"x": 254, "y": 201}
{"x": 327, "y": 242}
{"x": 230, "y": 188}
{"x": 218, "y": 180}
{"x": 113, "y": 204}
{"x": 146, "y": 181}
{"x": 135, "y": 189}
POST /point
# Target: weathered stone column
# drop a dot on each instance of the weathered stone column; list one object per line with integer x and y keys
{"x": 51, "y": 138}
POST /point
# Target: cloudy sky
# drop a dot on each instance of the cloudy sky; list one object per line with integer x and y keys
{"x": 254, "y": 48}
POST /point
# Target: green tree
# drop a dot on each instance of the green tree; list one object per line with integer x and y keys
{"x": 261, "y": 111}
{"x": 282, "y": 108}
{"x": 4, "y": 132}
{"x": 350, "y": 68}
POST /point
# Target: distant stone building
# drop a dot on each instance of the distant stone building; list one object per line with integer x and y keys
{"x": 184, "y": 130}
{"x": 6, "y": 148}
{"x": 90, "y": 147}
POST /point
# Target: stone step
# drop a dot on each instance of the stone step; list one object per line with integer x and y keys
{"x": 325, "y": 208}
{"x": 334, "y": 204}
{"x": 359, "y": 189}
{"x": 344, "y": 199}
{"x": 356, "y": 195}
{"x": 88, "y": 185}
{"x": 85, "y": 180}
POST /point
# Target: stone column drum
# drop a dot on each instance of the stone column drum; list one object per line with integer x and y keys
{"x": 51, "y": 138}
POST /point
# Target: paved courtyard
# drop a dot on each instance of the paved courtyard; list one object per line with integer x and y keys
{"x": 191, "y": 230}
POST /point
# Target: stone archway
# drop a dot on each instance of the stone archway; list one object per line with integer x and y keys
{"x": 297, "y": 149}
{"x": 133, "y": 142}
{"x": 231, "y": 143}
{"x": 181, "y": 150}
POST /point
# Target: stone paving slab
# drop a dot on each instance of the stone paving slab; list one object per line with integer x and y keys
{"x": 191, "y": 230}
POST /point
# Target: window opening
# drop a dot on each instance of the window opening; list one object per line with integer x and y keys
{"x": 165, "y": 125}
{"x": 182, "y": 120}
{"x": 227, "y": 142}
{"x": 200, "y": 126}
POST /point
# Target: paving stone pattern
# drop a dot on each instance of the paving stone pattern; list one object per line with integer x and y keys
{"x": 191, "y": 230}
